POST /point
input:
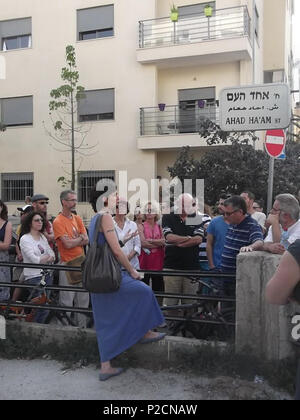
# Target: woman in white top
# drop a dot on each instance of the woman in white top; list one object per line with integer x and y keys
{"x": 35, "y": 249}
{"x": 127, "y": 233}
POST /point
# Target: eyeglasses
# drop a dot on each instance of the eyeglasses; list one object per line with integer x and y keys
{"x": 42, "y": 202}
{"x": 72, "y": 199}
{"x": 38, "y": 220}
{"x": 256, "y": 207}
{"x": 230, "y": 212}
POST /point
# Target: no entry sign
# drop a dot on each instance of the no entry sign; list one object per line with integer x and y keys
{"x": 275, "y": 141}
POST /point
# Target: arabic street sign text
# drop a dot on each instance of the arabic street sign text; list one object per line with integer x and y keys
{"x": 257, "y": 107}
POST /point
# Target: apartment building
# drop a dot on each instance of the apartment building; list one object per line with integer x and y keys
{"x": 149, "y": 82}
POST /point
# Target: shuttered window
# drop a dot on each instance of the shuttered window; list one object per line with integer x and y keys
{"x": 16, "y": 111}
{"x": 95, "y": 22}
{"x": 97, "y": 105}
{"x": 15, "y": 33}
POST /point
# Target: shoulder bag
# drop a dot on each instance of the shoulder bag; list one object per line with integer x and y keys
{"x": 101, "y": 270}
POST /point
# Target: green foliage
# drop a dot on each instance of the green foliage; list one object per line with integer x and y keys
{"x": 237, "y": 167}
{"x": 63, "y": 181}
{"x": 66, "y": 132}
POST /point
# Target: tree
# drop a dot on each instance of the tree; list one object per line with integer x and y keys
{"x": 68, "y": 134}
{"x": 237, "y": 167}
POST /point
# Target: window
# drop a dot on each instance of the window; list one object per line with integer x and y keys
{"x": 273, "y": 76}
{"x": 195, "y": 9}
{"x": 16, "y": 111}
{"x": 95, "y": 22}
{"x": 15, "y": 34}
{"x": 97, "y": 105}
{"x": 88, "y": 180}
{"x": 194, "y": 106}
{"x": 16, "y": 186}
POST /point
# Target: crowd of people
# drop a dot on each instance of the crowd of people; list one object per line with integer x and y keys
{"x": 156, "y": 240}
{"x": 152, "y": 241}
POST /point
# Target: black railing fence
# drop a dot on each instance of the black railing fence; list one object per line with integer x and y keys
{"x": 184, "y": 273}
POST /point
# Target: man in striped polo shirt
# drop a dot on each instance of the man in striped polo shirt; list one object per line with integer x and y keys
{"x": 244, "y": 235}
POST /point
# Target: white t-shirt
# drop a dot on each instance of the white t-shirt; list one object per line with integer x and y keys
{"x": 260, "y": 218}
{"x": 133, "y": 244}
{"x": 32, "y": 250}
{"x": 293, "y": 233}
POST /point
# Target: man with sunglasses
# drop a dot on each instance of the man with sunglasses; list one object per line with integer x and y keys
{"x": 244, "y": 233}
{"x": 39, "y": 203}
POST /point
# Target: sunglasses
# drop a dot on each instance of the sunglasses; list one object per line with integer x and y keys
{"x": 230, "y": 212}
{"x": 38, "y": 220}
{"x": 43, "y": 202}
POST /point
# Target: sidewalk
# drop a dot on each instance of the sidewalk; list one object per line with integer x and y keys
{"x": 49, "y": 380}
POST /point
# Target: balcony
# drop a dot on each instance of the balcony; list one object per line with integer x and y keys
{"x": 196, "y": 39}
{"x": 174, "y": 127}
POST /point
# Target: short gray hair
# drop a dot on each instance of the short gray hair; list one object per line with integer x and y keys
{"x": 289, "y": 204}
{"x": 64, "y": 194}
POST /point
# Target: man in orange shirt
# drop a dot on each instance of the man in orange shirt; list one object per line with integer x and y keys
{"x": 70, "y": 235}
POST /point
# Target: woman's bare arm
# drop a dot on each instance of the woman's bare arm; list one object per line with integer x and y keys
{"x": 282, "y": 284}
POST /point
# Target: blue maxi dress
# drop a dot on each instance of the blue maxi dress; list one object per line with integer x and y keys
{"x": 122, "y": 318}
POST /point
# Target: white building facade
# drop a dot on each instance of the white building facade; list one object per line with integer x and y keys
{"x": 149, "y": 83}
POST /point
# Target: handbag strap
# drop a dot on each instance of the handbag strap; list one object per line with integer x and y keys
{"x": 97, "y": 227}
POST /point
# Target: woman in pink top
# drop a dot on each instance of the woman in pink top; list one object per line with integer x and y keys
{"x": 153, "y": 244}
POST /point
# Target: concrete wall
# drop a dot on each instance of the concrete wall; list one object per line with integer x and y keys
{"x": 263, "y": 328}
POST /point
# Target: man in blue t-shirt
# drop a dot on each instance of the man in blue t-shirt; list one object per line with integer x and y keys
{"x": 216, "y": 234}
{"x": 244, "y": 233}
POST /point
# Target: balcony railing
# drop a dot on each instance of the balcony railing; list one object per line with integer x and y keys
{"x": 175, "y": 119}
{"x": 225, "y": 23}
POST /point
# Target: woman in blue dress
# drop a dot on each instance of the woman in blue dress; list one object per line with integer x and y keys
{"x": 127, "y": 316}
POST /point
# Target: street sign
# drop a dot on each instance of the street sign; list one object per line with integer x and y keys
{"x": 274, "y": 143}
{"x": 282, "y": 156}
{"x": 255, "y": 107}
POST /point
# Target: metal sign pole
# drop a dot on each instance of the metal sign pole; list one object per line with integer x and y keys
{"x": 270, "y": 184}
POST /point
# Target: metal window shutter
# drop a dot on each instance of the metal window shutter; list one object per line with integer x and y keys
{"x": 97, "y": 102}
{"x": 15, "y": 27}
{"x": 195, "y": 94}
{"x": 17, "y": 110}
{"x": 95, "y": 18}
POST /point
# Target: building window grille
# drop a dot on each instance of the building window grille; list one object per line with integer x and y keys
{"x": 87, "y": 180}
{"x": 16, "y": 186}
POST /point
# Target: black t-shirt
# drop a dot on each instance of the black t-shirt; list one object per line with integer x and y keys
{"x": 181, "y": 258}
{"x": 294, "y": 250}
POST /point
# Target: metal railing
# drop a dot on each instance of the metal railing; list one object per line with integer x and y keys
{"x": 184, "y": 273}
{"x": 175, "y": 119}
{"x": 224, "y": 23}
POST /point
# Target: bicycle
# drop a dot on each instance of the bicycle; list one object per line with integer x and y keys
{"x": 205, "y": 319}
{"x": 10, "y": 311}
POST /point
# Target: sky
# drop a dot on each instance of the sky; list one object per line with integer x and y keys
{"x": 296, "y": 43}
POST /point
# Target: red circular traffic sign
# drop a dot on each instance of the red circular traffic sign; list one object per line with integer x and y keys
{"x": 274, "y": 142}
